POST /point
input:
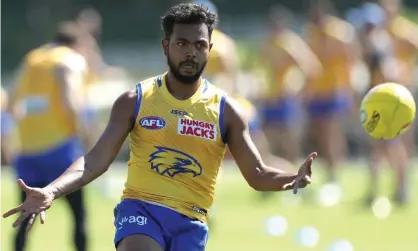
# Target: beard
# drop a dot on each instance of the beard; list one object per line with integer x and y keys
{"x": 184, "y": 78}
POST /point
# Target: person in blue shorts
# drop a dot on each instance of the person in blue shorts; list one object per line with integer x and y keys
{"x": 329, "y": 95}
{"x": 45, "y": 105}
{"x": 283, "y": 53}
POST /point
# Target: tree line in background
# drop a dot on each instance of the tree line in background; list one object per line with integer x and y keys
{"x": 28, "y": 23}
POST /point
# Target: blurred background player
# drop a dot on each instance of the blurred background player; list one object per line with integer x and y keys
{"x": 89, "y": 22}
{"x": 46, "y": 103}
{"x": 379, "y": 53}
{"x": 222, "y": 70}
{"x": 328, "y": 96}
{"x": 223, "y": 63}
{"x": 283, "y": 51}
{"x": 404, "y": 36}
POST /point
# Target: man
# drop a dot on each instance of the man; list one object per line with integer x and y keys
{"x": 282, "y": 51}
{"x": 404, "y": 34}
{"x": 380, "y": 57}
{"x": 328, "y": 96}
{"x": 90, "y": 24}
{"x": 45, "y": 106}
{"x": 179, "y": 126}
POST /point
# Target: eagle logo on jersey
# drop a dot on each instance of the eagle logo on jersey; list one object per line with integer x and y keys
{"x": 170, "y": 162}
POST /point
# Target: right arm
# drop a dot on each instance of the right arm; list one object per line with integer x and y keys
{"x": 98, "y": 159}
{"x": 257, "y": 174}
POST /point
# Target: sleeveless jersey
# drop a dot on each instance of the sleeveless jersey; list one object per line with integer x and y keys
{"x": 282, "y": 47}
{"x": 176, "y": 147}
{"x": 405, "y": 38}
{"x": 336, "y": 74}
{"x": 43, "y": 120}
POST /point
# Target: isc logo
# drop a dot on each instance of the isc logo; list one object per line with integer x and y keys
{"x": 178, "y": 112}
{"x": 152, "y": 123}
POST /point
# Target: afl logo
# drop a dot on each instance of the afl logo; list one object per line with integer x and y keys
{"x": 152, "y": 123}
{"x": 363, "y": 116}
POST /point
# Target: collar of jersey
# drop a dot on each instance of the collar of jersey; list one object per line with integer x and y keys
{"x": 161, "y": 82}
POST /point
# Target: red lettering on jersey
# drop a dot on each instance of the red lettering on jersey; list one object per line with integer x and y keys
{"x": 189, "y": 130}
{"x": 212, "y": 135}
{"x": 197, "y": 128}
{"x": 204, "y": 133}
{"x": 183, "y": 121}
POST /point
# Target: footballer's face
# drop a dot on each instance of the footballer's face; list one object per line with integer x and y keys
{"x": 187, "y": 51}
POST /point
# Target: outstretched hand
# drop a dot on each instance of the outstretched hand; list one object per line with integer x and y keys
{"x": 37, "y": 201}
{"x": 303, "y": 177}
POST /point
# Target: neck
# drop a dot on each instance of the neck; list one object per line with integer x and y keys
{"x": 180, "y": 90}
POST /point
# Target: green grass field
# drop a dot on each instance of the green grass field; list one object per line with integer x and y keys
{"x": 240, "y": 217}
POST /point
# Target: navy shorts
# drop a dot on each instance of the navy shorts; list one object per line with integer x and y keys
{"x": 284, "y": 110}
{"x": 43, "y": 168}
{"x": 338, "y": 104}
{"x": 172, "y": 230}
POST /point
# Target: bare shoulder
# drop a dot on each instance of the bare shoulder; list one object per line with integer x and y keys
{"x": 124, "y": 106}
{"x": 128, "y": 97}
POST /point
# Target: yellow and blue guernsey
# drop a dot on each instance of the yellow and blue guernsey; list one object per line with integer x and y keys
{"x": 47, "y": 129}
{"x": 176, "y": 148}
{"x": 330, "y": 92}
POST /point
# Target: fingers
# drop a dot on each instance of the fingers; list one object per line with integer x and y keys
{"x": 310, "y": 158}
{"x": 308, "y": 162}
{"x": 296, "y": 185}
{"x": 12, "y": 211}
{"x": 43, "y": 217}
{"x": 21, "y": 218}
{"x": 307, "y": 179}
{"x": 313, "y": 155}
{"x": 32, "y": 219}
{"x": 288, "y": 185}
{"x": 301, "y": 182}
{"x": 23, "y": 186}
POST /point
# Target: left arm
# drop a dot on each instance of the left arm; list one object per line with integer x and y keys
{"x": 257, "y": 174}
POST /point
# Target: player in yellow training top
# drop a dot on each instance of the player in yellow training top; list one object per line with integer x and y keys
{"x": 404, "y": 34}
{"x": 328, "y": 96}
{"x": 45, "y": 105}
{"x": 179, "y": 126}
{"x": 381, "y": 57}
{"x": 282, "y": 51}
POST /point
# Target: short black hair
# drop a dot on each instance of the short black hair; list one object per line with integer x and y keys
{"x": 187, "y": 13}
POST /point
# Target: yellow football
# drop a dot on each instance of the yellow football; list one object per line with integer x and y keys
{"x": 387, "y": 111}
